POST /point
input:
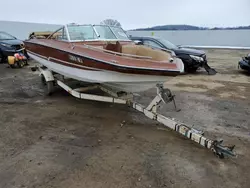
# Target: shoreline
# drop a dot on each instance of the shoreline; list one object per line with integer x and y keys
{"x": 216, "y": 47}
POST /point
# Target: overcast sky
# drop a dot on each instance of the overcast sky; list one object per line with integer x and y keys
{"x": 130, "y": 13}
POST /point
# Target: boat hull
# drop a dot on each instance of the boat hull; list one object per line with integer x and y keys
{"x": 82, "y": 56}
{"x": 119, "y": 81}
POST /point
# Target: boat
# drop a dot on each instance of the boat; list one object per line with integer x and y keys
{"x": 105, "y": 55}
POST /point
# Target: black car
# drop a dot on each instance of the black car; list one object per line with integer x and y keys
{"x": 244, "y": 63}
{"x": 9, "y": 45}
{"x": 192, "y": 58}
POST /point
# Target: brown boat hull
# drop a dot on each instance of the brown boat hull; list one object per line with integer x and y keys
{"x": 84, "y": 64}
{"x": 100, "y": 60}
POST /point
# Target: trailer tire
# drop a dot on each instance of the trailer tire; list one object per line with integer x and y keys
{"x": 48, "y": 86}
{"x": 43, "y": 81}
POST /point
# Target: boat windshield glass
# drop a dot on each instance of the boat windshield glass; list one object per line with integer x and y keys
{"x": 119, "y": 33}
{"x": 81, "y": 32}
{"x": 104, "y": 32}
{"x": 95, "y": 32}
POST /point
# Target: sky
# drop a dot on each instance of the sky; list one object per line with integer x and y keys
{"x": 130, "y": 13}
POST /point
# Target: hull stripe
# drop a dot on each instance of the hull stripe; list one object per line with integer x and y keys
{"x": 54, "y": 60}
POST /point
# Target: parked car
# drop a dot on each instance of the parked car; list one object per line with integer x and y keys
{"x": 244, "y": 63}
{"x": 192, "y": 58}
{"x": 9, "y": 45}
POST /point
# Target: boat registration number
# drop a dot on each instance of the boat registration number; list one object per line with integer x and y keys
{"x": 76, "y": 59}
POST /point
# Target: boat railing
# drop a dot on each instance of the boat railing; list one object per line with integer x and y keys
{"x": 116, "y": 53}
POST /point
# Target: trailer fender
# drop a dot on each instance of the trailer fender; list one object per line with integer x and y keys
{"x": 47, "y": 75}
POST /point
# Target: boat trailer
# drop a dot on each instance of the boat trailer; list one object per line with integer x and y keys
{"x": 163, "y": 95}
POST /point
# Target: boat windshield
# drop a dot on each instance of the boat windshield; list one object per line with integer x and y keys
{"x": 104, "y": 32}
{"x": 91, "y": 32}
{"x": 119, "y": 33}
{"x": 81, "y": 32}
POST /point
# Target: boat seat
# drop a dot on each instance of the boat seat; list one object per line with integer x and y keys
{"x": 117, "y": 47}
{"x": 141, "y": 50}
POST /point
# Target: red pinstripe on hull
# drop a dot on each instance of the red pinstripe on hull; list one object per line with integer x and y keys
{"x": 63, "y": 62}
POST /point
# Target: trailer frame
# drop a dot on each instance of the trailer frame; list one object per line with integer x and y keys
{"x": 163, "y": 95}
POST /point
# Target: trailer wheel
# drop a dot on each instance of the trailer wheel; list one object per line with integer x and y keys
{"x": 43, "y": 80}
{"x": 48, "y": 86}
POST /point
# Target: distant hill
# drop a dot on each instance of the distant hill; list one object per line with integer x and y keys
{"x": 231, "y": 28}
{"x": 188, "y": 27}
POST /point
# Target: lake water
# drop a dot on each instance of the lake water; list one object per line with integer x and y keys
{"x": 239, "y": 38}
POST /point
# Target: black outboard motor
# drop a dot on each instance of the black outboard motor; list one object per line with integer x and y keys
{"x": 244, "y": 63}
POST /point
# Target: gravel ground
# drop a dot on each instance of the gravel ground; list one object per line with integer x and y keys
{"x": 62, "y": 142}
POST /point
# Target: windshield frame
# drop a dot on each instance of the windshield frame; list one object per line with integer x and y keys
{"x": 65, "y": 28}
{"x": 7, "y": 34}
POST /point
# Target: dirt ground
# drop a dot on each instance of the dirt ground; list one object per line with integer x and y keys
{"x": 62, "y": 142}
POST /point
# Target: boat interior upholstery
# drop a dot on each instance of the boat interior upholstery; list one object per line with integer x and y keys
{"x": 138, "y": 50}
